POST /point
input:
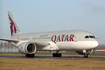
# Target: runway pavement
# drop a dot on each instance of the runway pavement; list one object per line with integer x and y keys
{"x": 50, "y": 57}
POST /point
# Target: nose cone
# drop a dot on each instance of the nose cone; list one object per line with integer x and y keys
{"x": 94, "y": 44}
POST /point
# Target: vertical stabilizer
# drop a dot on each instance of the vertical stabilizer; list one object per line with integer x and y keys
{"x": 13, "y": 27}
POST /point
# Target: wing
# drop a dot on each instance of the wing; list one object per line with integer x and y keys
{"x": 40, "y": 44}
{"x": 10, "y": 40}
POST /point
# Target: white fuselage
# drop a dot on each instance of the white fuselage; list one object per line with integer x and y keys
{"x": 62, "y": 40}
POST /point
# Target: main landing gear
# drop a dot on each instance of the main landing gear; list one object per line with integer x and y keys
{"x": 29, "y": 55}
{"x": 57, "y": 54}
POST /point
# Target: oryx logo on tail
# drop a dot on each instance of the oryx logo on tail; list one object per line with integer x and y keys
{"x": 12, "y": 26}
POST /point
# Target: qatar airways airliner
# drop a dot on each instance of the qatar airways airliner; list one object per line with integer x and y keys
{"x": 80, "y": 41}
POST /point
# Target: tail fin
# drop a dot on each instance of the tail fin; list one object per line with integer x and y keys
{"x": 13, "y": 27}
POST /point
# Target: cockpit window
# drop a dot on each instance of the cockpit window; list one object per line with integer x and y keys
{"x": 92, "y": 37}
{"x": 89, "y": 37}
{"x": 86, "y": 36}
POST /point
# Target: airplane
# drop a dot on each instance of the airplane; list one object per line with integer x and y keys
{"x": 102, "y": 49}
{"x": 80, "y": 41}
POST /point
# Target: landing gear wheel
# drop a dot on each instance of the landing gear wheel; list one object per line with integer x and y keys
{"x": 54, "y": 54}
{"x": 85, "y": 56}
{"x": 29, "y": 55}
{"x": 57, "y": 54}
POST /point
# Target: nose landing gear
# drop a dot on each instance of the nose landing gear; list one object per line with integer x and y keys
{"x": 85, "y": 56}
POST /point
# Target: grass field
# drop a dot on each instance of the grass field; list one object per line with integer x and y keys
{"x": 49, "y": 64}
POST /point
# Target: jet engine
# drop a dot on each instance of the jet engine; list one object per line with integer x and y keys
{"x": 87, "y": 52}
{"x": 27, "y": 48}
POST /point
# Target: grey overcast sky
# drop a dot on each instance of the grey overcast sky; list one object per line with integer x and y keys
{"x": 54, "y": 15}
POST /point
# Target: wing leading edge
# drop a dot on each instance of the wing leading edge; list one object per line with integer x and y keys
{"x": 10, "y": 40}
{"x": 39, "y": 44}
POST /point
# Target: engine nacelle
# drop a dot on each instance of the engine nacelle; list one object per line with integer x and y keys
{"x": 87, "y": 52}
{"x": 27, "y": 48}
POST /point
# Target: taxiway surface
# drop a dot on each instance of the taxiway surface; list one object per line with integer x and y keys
{"x": 50, "y": 57}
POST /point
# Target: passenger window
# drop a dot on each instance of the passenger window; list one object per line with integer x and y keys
{"x": 86, "y": 36}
